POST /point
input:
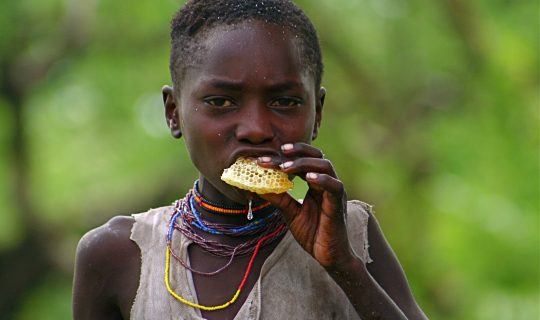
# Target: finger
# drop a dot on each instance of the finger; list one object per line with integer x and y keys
{"x": 270, "y": 161}
{"x": 300, "y": 149}
{"x": 301, "y": 166}
{"x": 290, "y": 151}
{"x": 323, "y": 182}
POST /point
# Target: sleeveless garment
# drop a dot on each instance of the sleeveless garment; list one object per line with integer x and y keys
{"x": 292, "y": 285}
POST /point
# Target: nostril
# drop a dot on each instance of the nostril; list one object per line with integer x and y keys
{"x": 255, "y": 134}
{"x": 255, "y": 141}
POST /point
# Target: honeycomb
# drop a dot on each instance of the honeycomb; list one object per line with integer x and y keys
{"x": 246, "y": 174}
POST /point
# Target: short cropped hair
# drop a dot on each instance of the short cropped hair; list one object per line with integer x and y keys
{"x": 196, "y": 18}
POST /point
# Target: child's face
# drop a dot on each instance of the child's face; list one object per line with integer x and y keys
{"x": 249, "y": 96}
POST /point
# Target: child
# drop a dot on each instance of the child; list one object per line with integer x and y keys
{"x": 246, "y": 83}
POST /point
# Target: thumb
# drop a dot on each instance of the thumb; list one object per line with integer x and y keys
{"x": 289, "y": 206}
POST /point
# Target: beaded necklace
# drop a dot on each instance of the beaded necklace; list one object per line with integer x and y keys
{"x": 186, "y": 228}
{"x": 270, "y": 229}
{"x": 242, "y": 283}
{"x": 231, "y": 209}
{"x": 256, "y": 226}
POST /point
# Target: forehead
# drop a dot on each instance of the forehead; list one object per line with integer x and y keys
{"x": 250, "y": 49}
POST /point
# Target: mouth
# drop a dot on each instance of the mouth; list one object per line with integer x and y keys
{"x": 248, "y": 175}
{"x": 252, "y": 153}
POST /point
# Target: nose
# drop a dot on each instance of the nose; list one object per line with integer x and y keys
{"x": 254, "y": 124}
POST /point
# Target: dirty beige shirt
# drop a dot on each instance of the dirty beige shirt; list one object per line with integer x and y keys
{"x": 292, "y": 285}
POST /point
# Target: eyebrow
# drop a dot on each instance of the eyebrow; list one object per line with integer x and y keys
{"x": 224, "y": 84}
{"x": 238, "y": 86}
{"x": 284, "y": 86}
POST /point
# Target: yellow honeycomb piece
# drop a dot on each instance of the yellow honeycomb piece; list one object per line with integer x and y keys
{"x": 246, "y": 174}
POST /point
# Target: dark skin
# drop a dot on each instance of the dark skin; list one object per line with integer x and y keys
{"x": 252, "y": 97}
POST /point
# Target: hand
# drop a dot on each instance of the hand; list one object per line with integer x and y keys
{"x": 318, "y": 223}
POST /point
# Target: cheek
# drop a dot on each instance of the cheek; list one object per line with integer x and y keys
{"x": 203, "y": 135}
{"x": 291, "y": 133}
{"x": 302, "y": 129}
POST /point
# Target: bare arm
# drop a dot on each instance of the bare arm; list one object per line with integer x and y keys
{"x": 106, "y": 272}
{"x": 388, "y": 273}
{"x": 381, "y": 287}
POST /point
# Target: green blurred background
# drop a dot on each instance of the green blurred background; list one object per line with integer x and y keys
{"x": 431, "y": 115}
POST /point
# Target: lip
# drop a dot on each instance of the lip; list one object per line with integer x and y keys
{"x": 252, "y": 153}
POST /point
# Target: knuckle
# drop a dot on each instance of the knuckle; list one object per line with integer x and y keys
{"x": 328, "y": 163}
{"x": 340, "y": 187}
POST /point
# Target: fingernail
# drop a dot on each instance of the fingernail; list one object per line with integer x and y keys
{"x": 311, "y": 175}
{"x": 285, "y": 165}
{"x": 265, "y": 159}
{"x": 287, "y": 146}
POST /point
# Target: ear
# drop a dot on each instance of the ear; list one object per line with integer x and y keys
{"x": 318, "y": 112}
{"x": 171, "y": 111}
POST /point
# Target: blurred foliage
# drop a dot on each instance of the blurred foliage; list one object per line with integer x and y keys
{"x": 431, "y": 115}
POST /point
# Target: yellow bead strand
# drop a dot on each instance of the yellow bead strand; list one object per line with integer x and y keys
{"x": 189, "y": 303}
{"x": 242, "y": 283}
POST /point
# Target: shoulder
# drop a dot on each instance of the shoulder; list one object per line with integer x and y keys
{"x": 106, "y": 261}
{"x": 101, "y": 245}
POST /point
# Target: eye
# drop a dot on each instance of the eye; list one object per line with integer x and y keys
{"x": 286, "y": 102}
{"x": 220, "y": 102}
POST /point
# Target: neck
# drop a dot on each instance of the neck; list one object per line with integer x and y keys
{"x": 226, "y": 228}
{"x": 214, "y": 206}
{"x": 241, "y": 197}
{"x": 235, "y": 219}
